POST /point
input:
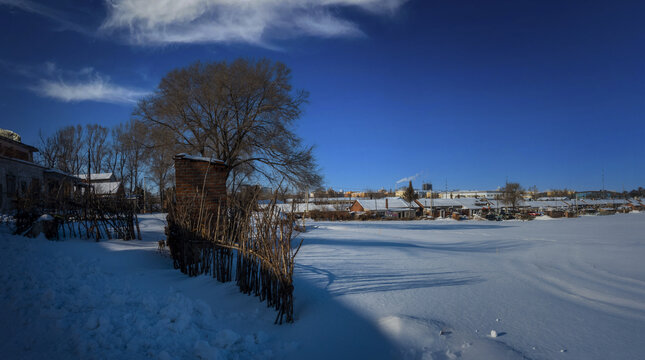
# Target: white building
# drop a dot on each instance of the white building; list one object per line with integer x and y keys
{"x": 457, "y": 194}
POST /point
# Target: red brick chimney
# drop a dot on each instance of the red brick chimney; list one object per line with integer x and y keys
{"x": 196, "y": 176}
{"x": 386, "y": 204}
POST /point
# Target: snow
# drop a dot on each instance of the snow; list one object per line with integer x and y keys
{"x": 96, "y": 177}
{"x": 45, "y": 217}
{"x": 199, "y": 158}
{"x": 393, "y": 203}
{"x": 575, "y": 284}
{"x": 106, "y": 188}
{"x": 118, "y": 299}
{"x": 567, "y": 288}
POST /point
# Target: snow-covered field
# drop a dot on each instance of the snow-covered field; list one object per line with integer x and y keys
{"x": 558, "y": 289}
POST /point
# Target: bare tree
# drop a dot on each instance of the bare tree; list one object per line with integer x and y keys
{"x": 512, "y": 194}
{"x": 162, "y": 149}
{"x": 49, "y": 150}
{"x": 96, "y": 141}
{"x": 130, "y": 153}
{"x": 116, "y": 156}
{"x": 64, "y": 149}
{"x": 241, "y": 113}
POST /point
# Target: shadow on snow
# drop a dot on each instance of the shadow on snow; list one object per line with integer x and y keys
{"x": 488, "y": 246}
{"x": 353, "y": 283}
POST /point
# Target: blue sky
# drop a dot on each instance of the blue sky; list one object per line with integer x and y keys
{"x": 468, "y": 93}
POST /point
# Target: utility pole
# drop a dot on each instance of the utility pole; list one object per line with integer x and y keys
{"x": 304, "y": 216}
{"x": 603, "y": 183}
{"x": 431, "y": 204}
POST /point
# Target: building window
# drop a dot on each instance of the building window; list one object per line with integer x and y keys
{"x": 11, "y": 185}
{"x": 34, "y": 187}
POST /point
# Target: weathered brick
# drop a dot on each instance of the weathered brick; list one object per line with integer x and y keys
{"x": 192, "y": 177}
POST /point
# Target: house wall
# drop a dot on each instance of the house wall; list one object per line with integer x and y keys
{"x": 194, "y": 178}
{"x": 21, "y": 174}
{"x": 356, "y": 207}
{"x": 15, "y": 150}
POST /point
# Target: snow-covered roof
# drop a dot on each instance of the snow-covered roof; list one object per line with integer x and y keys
{"x": 327, "y": 199}
{"x": 393, "y": 203}
{"x": 97, "y": 177}
{"x": 198, "y": 158}
{"x": 267, "y": 202}
{"x": 464, "y": 203}
{"x": 300, "y": 207}
{"x": 472, "y": 204}
{"x": 548, "y": 204}
{"x": 601, "y": 202}
{"x": 107, "y": 188}
{"x": 427, "y": 203}
{"x": 548, "y": 198}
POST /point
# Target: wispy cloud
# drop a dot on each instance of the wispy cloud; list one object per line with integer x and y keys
{"x": 256, "y": 22}
{"x": 409, "y": 178}
{"x": 60, "y": 17}
{"x": 96, "y": 89}
{"x": 85, "y": 84}
{"x": 145, "y": 22}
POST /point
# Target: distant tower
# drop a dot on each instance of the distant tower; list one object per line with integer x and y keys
{"x": 426, "y": 186}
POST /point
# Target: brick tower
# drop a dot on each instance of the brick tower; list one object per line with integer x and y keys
{"x": 196, "y": 176}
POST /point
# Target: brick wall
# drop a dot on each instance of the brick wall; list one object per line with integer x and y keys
{"x": 192, "y": 177}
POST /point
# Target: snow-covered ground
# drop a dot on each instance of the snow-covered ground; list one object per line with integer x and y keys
{"x": 558, "y": 289}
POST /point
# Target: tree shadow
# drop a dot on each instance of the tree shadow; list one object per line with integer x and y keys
{"x": 488, "y": 246}
{"x": 401, "y": 225}
{"x": 352, "y": 283}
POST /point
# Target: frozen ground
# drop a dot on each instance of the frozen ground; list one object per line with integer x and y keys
{"x": 558, "y": 289}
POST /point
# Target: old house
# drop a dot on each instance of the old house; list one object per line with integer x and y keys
{"x": 21, "y": 177}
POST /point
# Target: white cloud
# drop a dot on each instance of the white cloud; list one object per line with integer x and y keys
{"x": 150, "y": 22}
{"x": 159, "y": 22}
{"x": 83, "y": 85}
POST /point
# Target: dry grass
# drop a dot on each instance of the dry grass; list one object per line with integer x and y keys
{"x": 238, "y": 239}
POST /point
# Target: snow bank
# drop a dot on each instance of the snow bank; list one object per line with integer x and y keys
{"x": 75, "y": 309}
